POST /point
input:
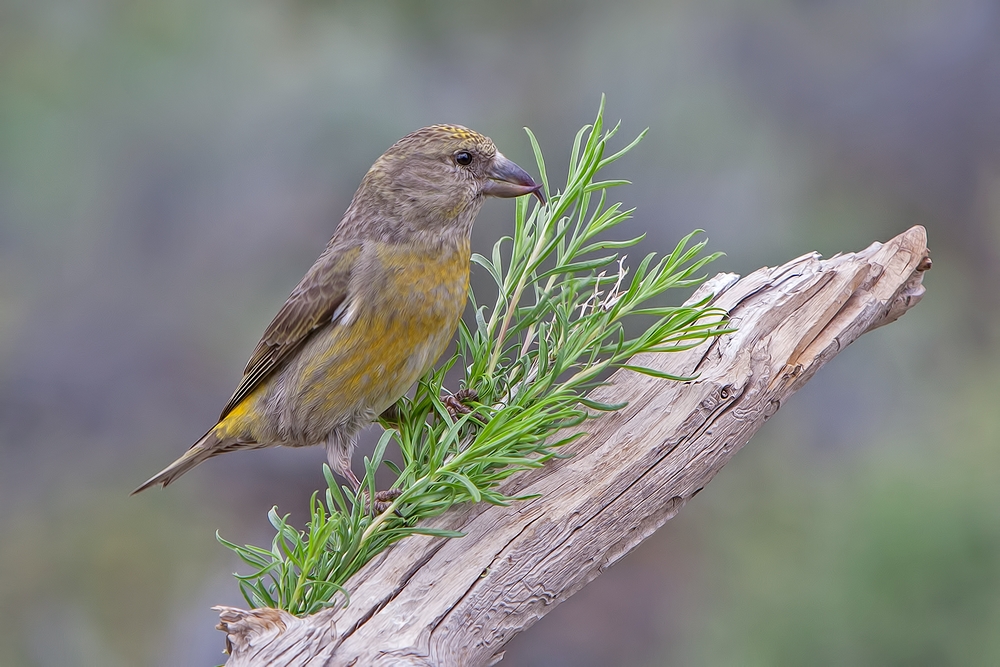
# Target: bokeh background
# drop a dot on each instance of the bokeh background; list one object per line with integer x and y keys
{"x": 170, "y": 168}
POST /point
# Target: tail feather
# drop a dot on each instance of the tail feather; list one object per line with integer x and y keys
{"x": 206, "y": 448}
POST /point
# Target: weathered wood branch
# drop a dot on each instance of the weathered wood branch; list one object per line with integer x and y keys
{"x": 440, "y": 602}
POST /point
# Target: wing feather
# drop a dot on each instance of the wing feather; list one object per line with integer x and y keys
{"x": 311, "y": 305}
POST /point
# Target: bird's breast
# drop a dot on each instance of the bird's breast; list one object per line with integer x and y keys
{"x": 403, "y": 311}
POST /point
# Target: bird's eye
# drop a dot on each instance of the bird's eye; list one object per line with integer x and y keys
{"x": 463, "y": 158}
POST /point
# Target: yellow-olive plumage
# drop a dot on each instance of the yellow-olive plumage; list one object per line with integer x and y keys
{"x": 377, "y": 308}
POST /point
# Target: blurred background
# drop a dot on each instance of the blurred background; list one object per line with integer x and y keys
{"x": 170, "y": 168}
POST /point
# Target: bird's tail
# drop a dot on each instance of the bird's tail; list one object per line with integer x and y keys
{"x": 209, "y": 445}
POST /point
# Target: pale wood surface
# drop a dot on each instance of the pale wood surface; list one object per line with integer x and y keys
{"x": 430, "y": 601}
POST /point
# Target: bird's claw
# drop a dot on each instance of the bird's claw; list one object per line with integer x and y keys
{"x": 392, "y": 415}
{"x": 383, "y": 500}
{"x": 457, "y": 403}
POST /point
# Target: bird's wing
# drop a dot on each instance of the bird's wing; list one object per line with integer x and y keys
{"x": 312, "y": 304}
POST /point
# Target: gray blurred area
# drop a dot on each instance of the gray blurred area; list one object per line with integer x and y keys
{"x": 170, "y": 168}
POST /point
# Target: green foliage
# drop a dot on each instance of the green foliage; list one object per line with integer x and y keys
{"x": 888, "y": 557}
{"x": 554, "y": 332}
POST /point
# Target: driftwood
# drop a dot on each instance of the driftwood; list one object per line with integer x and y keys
{"x": 443, "y": 602}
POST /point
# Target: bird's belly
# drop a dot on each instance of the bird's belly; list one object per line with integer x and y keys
{"x": 354, "y": 369}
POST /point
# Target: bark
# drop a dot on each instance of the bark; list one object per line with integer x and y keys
{"x": 442, "y": 602}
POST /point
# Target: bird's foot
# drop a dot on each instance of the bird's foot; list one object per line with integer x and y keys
{"x": 391, "y": 415}
{"x": 457, "y": 403}
{"x": 383, "y": 500}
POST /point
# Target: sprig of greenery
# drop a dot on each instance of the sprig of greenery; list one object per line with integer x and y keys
{"x": 554, "y": 332}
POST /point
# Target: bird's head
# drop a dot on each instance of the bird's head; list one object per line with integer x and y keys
{"x": 435, "y": 180}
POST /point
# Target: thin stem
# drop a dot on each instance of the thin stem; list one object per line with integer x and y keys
{"x": 512, "y": 306}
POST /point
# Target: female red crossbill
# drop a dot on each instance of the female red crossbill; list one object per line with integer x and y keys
{"x": 377, "y": 308}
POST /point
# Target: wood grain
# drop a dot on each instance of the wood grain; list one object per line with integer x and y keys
{"x": 437, "y": 602}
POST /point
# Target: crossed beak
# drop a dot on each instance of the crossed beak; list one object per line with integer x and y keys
{"x": 506, "y": 179}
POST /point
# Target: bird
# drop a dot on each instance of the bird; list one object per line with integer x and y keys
{"x": 376, "y": 309}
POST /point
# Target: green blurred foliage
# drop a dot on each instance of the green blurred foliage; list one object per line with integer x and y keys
{"x": 89, "y": 580}
{"x": 886, "y": 557}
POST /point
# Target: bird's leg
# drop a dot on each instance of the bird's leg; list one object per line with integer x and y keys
{"x": 339, "y": 456}
{"x": 457, "y": 403}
